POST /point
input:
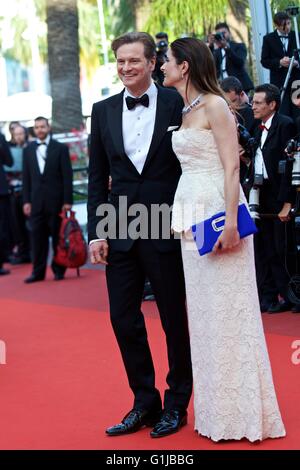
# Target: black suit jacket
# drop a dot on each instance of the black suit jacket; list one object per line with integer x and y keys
{"x": 271, "y": 54}
{"x": 281, "y": 130}
{"x": 236, "y": 56}
{"x": 50, "y": 190}
{"x": 5, "y": 159}
{"x": 157, "y": 182}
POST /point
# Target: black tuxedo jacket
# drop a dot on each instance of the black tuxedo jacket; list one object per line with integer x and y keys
{"x": 157, "y": 182}
{"x": 5, "y": 159}
{"x": 50, "y": 190}
{"x": 281, "y": 130}
{"x": 271, "y": 54}
{"x": 236, "y": 56}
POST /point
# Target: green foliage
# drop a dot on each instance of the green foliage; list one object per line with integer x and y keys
{"x": 192, "y": 17}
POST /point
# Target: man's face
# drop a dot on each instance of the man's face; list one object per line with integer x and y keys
{"x": 225, "y": 33}
{"x": 19, "y": 136}
{"x": 261, "y": 109}
{"x": 134, "y": 69}
{"x": 234, "y": 98}
{"x": 41, "y": 129}
{"x": 285, "y": 27}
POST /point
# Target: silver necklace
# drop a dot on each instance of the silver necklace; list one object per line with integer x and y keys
{"x": 194, "y": 103}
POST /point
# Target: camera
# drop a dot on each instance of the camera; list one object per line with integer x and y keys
{"x": 246, "y": 141}
{"x": 254, "y": 203}
{"x": 293, "y": 11}
{"x": 220, "y": 36}
{"x": 161, "y": 46}
{"x": 294, "y": 156}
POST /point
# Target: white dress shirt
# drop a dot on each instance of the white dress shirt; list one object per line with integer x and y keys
{"x": 260, "y": 167}
{"x": 41, "y": 153}
{"x": 285, "y": 41}
{"x": 224, "y": 73}
{"x": 138, "y": 126}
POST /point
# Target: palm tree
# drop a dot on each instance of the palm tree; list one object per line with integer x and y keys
{"x": 63, "y": 60}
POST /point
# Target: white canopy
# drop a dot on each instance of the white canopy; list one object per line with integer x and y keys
{"x": 25, "y": 106}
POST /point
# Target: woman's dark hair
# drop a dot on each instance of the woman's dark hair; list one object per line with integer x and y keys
{"x": 130, "y": 38}
{"x": 202, "y": 70}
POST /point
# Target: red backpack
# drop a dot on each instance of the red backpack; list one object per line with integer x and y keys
{"x": 71, "y": 251}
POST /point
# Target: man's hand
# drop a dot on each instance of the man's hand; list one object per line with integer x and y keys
{"x": 99, "y": 252}
{"x": 27, "y": 209}
{"x": 222, "y": 44}
{"x": 66, "y": 207}
{"x": 285, "y": 211}
{"x": 285, "y": 62}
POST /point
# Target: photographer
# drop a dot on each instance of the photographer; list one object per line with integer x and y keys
{"x": 239, "y": 102}
{"x": 272, "y": 183}
{"x": 230, "y": 57}
{"x": 162, "y": 44}
{"x": 277, "y": 51}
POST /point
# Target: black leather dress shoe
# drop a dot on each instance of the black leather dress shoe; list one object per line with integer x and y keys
{"x": 170, "y": 422}
{"x": 295, "y": 308}
{"x": 3, "y": 271}
{"x": 279, "y": 307}
{"x": 33, "y": 278}
{"x": 134, "y": 421}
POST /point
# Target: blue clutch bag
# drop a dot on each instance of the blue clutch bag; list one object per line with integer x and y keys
{"x": 207, "y": 232}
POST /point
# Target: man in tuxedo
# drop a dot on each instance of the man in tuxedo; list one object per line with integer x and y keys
{"x": 230, "y": 57}
{"x": 5, "y": 159}
{"x": 47, "y": 190}
{"x": 275, "y": 197}
{"x": 276, "y": 55}
{"x": 131, "y": 141}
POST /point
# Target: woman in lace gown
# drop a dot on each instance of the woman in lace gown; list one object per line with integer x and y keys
{"x": 234, "y": 395}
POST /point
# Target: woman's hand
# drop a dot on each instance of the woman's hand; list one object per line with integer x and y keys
{"x": 228, "y": 240}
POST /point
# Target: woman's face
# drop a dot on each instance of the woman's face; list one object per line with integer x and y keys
{"x": 171, "y": 70}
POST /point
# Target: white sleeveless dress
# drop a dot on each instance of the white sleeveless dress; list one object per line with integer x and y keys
{"x": 234, "y": 395}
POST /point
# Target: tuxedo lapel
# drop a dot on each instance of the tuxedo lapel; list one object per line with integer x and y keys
{"x": 162, "y": 120}
{"x": 272, "y": 130}
{"x": 114, "y": 117}
{"x": 34, "y": 160}
{"x": 49, "y": 152}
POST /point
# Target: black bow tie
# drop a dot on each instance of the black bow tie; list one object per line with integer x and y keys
{"x": 41, "y": 143}
{"x": 284, "y": 36}
{"x": 132, "y": 102}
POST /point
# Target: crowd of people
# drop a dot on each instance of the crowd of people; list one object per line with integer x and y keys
{"x": 35, "y": 187}
{"x": 184, "y": 143}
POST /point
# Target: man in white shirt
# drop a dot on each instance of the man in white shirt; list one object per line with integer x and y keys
{"x": 131, "y": 141}
{"x": 47, "y": 190}
{"x": 277, "y": 51}
{"x": 276, "y": 197}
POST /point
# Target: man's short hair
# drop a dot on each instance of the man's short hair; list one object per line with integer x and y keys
{"x": 130, "y": 38}
{"x": 231, "y": 84}
{"x": 280, "y": 17}
{"x": 162, "y": 35}
{"x": 222, "y": 25}
{"x": 272, "y": 93}
{"x": 41, "y": 118}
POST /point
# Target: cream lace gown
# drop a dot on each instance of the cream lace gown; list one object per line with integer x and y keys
{"x": 234, "y": 395}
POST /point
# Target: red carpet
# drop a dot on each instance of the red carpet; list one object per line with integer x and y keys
{"x": 63, "y": 382}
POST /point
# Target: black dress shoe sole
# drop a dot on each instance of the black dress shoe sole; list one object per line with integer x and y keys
{"x": 172, "y": 431}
